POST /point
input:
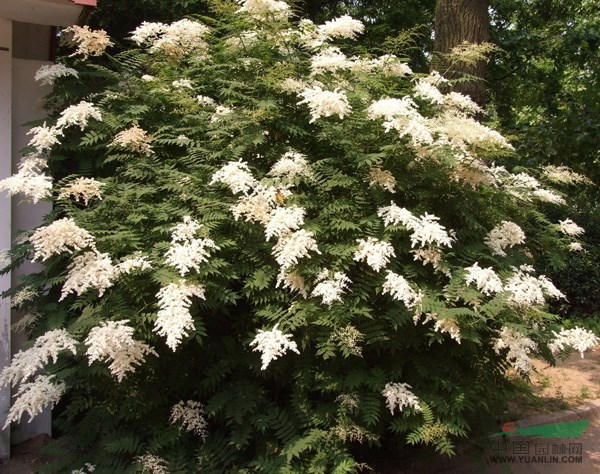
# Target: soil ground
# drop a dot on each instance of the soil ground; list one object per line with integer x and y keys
{"x": 569, "y": 385}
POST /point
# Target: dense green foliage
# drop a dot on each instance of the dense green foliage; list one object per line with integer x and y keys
{"x": 311, "y": 411}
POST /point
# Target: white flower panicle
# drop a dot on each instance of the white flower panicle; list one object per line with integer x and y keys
{"x": 29, "y": 179}
{"x": 152, "y": 464}
{"x": 63, "y": 235}
{"x": 382, "y": 178}
{"x": 273, "y": 344}
{"x": 389, "y": 64}
{"x": 461, "y": 103}
{"x": 291, "y": 165}
{"x": 84, "y": 189}
{"x": 428, "y": 91}
{"x": 486, "y": 279}
{"x": 44, "y": 137}
{"x": 575, "y": 247}
{"x": 174, "y": 319}
{"x": 78, "y": 115}
{"x": 89, "y": 270}
{"x": 257, "y": 207}
{"x": 292, "y": 281}
{"x": 33, "y": 397}
{"x": 86, "y": 469}
{"x": 329, "y": 60}
{"x": 527, "y": 290}
{"x": 179, "y": 38}
{"x": 236, "y": 176}
{"x": 578, "y": 338}
{"x": 113, "y": 342}
{"x": 190, "y": 415}
{"x": 395, "y": 215}
{"x": 294, "y": 246}
{"x": 182, "y": 84}
{"x": 133, "y": 263}
{"x": 505, "y": 234}
{"x": 187, "y": 252}
{"x": 323, "y": 103}
{"x": 25, "y": 364}
{"x": 549, "y": 196}
{"x": 135, "y": 139}
{"x": 47, "y": 74}
{"x": 22, "y": 296}
{"x": 519, "y": 348}
{"x": 265, "y": 9}
{"x": 331, "y": 289}
{"x": 398, "y": 396}
{"x": 375, "y": 252}
{"x": 569, "y": 227}
{"x": 426, "y": 231}
{"x": 431, "y": 255}
{"x": 89, "y": 42}
{"x": 344, "y": 27}
{"x": 283, "y": 220}
{"x": 205, "y": 101}
{"x": 398, "y": 288}
{"x": 563, "y": 175}
{"x": 462, "y": 132}
{"x": 147, "y": 78}
{"x": 402, "y": 115}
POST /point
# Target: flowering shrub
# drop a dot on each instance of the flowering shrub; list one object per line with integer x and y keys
{"x": 271, "y": 251}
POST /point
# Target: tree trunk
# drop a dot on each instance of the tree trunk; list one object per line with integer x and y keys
{"x": 457, "y": 21}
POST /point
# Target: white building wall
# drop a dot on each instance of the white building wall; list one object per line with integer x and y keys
{"x": 5, "y": 214}
{"x": 27, "y": 105}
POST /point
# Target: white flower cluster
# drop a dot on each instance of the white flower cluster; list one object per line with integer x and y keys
{"x": 135, "y": 139}
{"x": 89, "y": 270}
{"x": 546, "y": 195}
{"x": 294, "y": 246}
{"x": 174, "y": 319}
{"x": 462, "y": 131}
{"x": 273, "y": 344}
{"x": 186, "y": 251}
{"x": 63, "y": 235}
{"x": 569, "y": 227}
{"x": 79, "y": 115}
{"x": 33, "y": 397}
{"x": 578, "y": 338}
{"x": 82, "y": 188}
{"x": 182, "y": 84}
{"x": 563, "y": 175}
{"x": 135, "y": 262}
{"x": 292, "y": 281}
{"x": 398, "y": 288}
{"x": 86, "y": 469}
{"x": 291, "y": 165}
{"x": 461, "y": 103}
{"x": 425, "y": 229}
{"x": 152, "y": 464}
{"x": 206, "y": 101}
{"x": 343, "y": 27}
{"x": 89, "y": 42}
{"x": 486, "y": 279}
{"x": 329, "y": 59}
{"x": 265, "y": 9}
{"x": 284, "y": 220}
{"x": 22, "y": 296}
{"x": 402, "y": 115}
{"x": 190, "y": 415}
{"x": 382, "y": 178}
{"x": 29, "y": 179}
{"x": 390, "y": 65}
{"x": 47, "y": 74}
{"x": 575, "y": 247}
{"x": 221, "y": 111}
{"x": 25, "y": 364}
{"x": 113, "y": 342}
{"x": 323, "y": 103}
{"x": 505, "y": 234}
{"x": 330, "y": 289}
{"x": 428, "y": 91}
{"x": 398, "y": 396}
{"x": 527, "y": 290}
{"x": 44, "y": 137}
{"x": 519, "y": 347}
{"x": 257, "y": 206}
{"x": 236, "y": 176}
{"x": 179, "y": 38}
{"x": 375, "y": 252}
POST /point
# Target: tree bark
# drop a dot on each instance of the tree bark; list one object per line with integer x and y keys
{"x": 457, "y": 21}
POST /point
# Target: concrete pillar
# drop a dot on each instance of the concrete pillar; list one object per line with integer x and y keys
{"x": 5, "y": 215}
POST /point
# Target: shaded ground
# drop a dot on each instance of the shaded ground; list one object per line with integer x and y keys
{"x": 569, "y": 391}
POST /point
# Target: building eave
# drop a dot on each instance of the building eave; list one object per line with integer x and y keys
{"x": 46, "y": 12}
